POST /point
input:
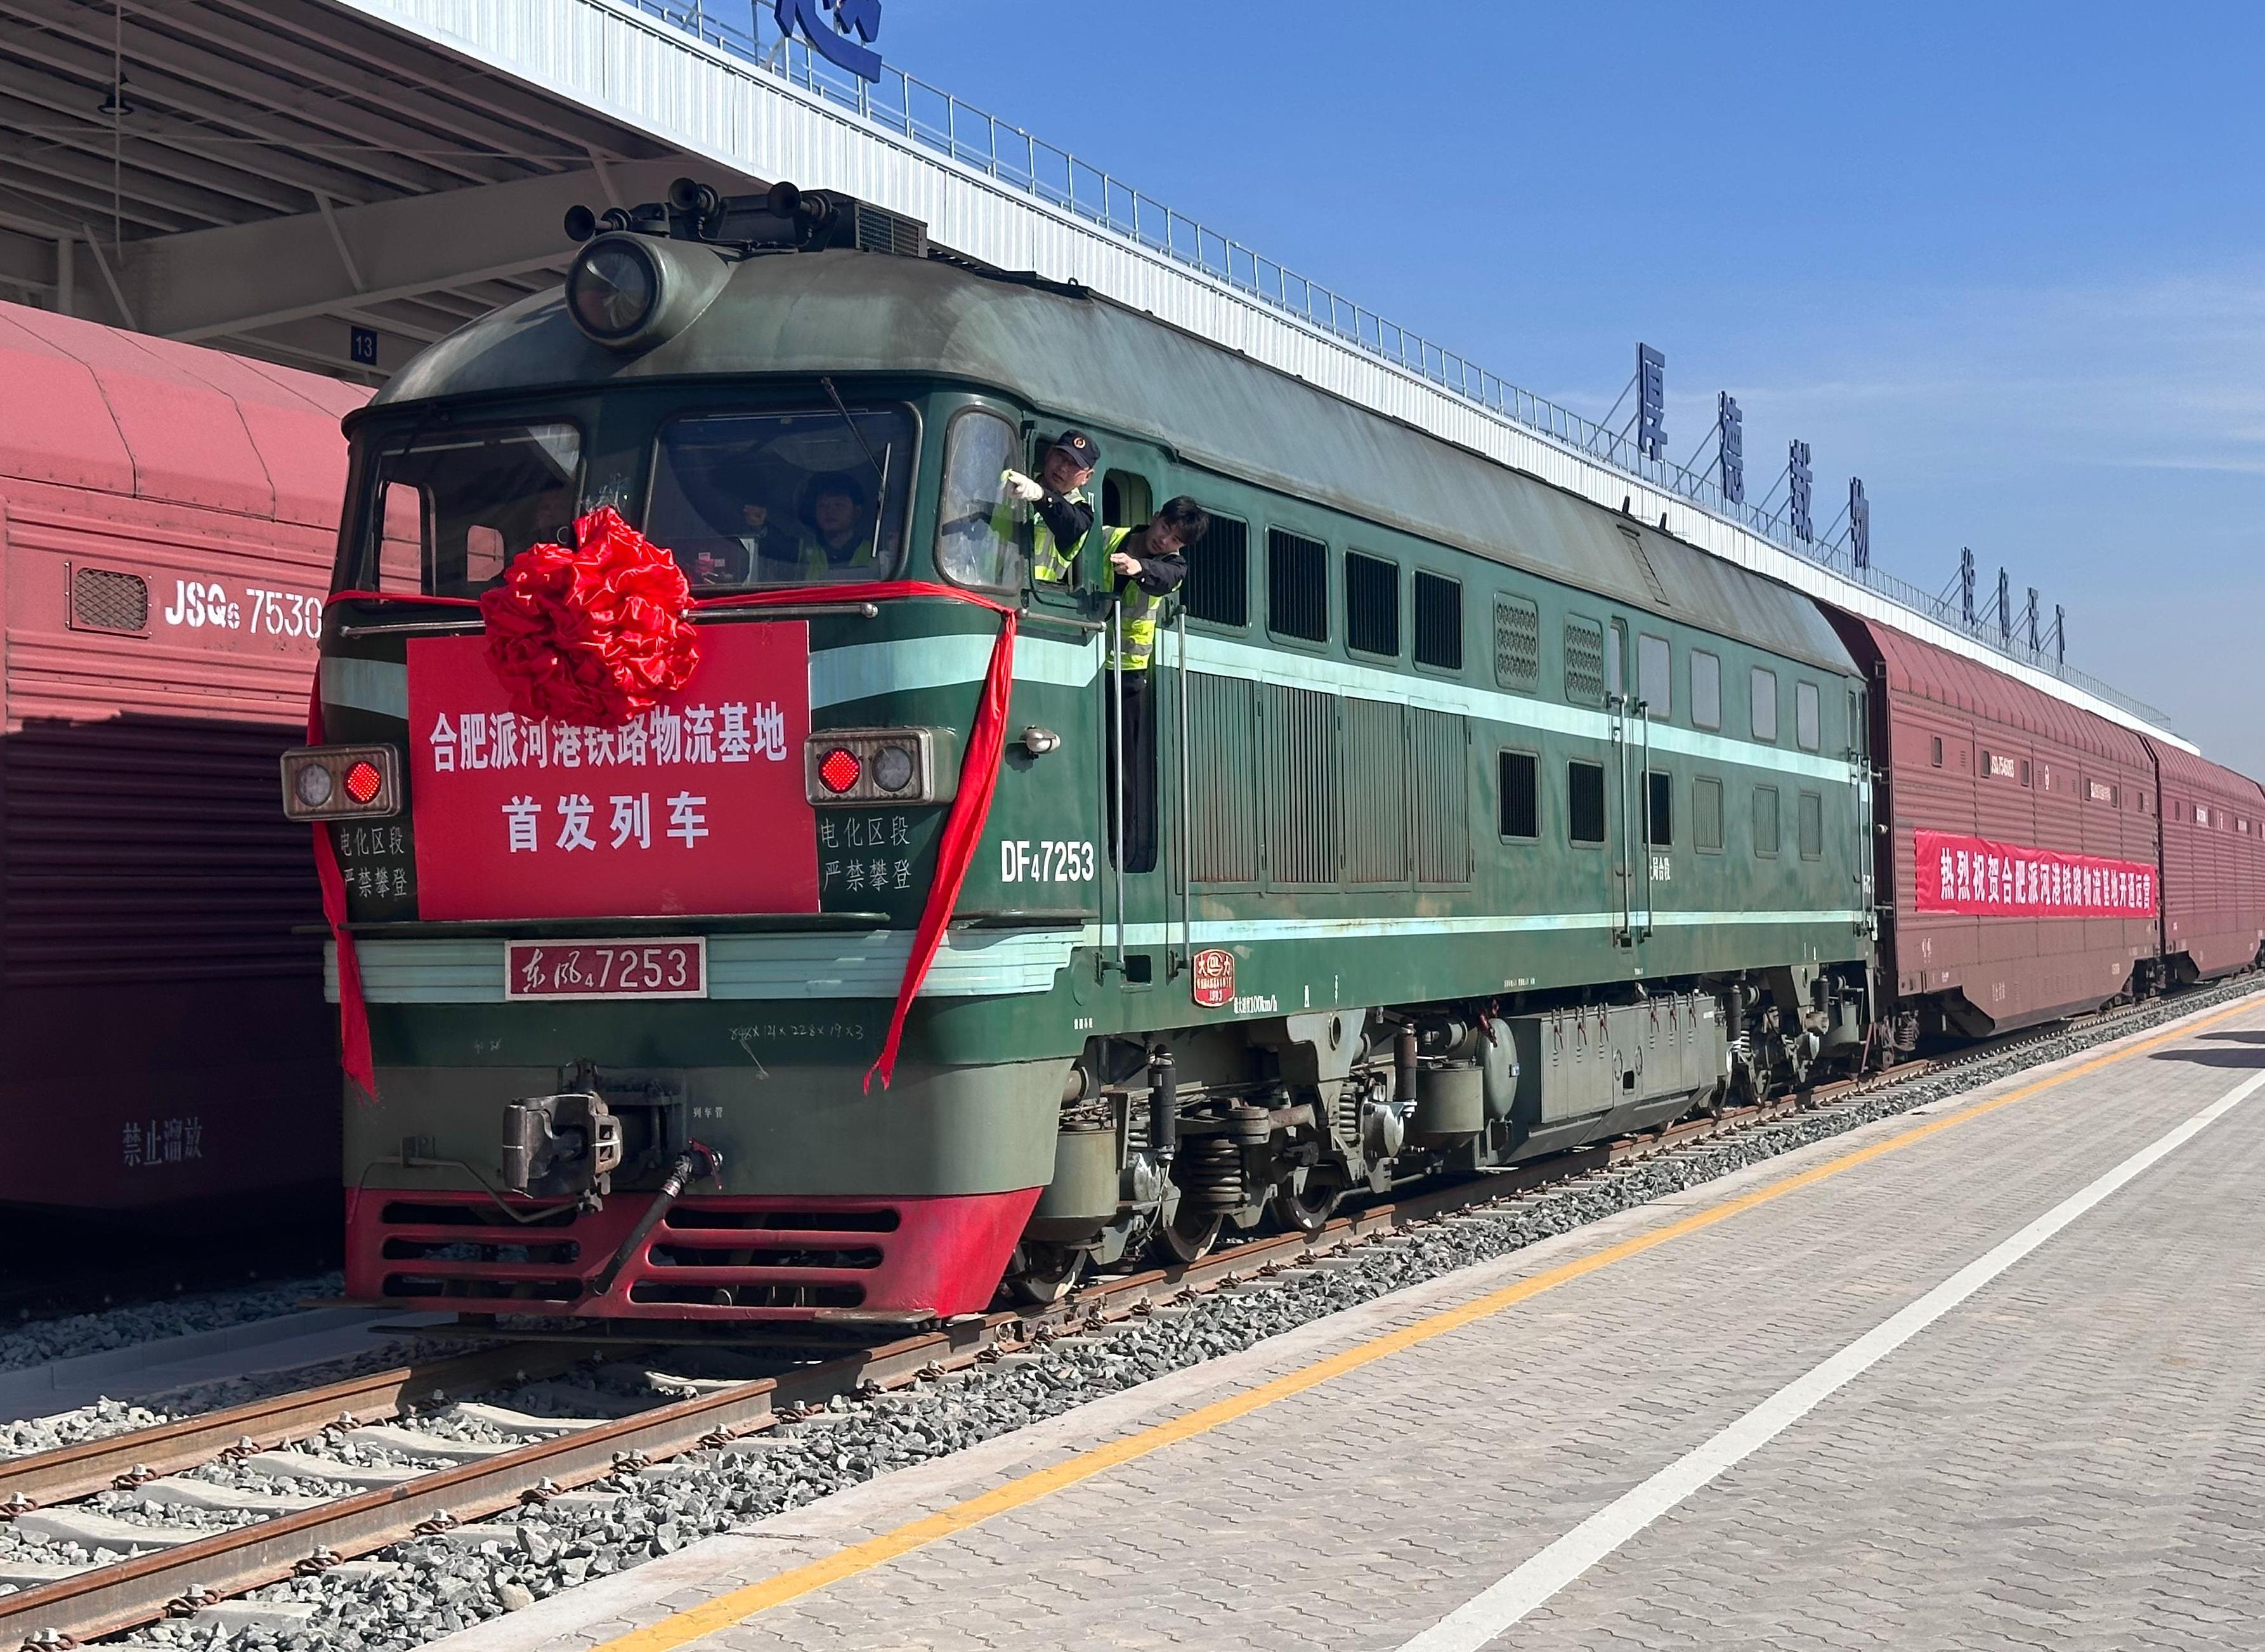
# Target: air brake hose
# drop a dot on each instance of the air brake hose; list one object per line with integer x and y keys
{"x": 696, "y": 1163}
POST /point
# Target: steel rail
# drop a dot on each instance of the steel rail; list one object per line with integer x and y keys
{"x": 112, "y": 1599}
{"x": 90, "y": 1465}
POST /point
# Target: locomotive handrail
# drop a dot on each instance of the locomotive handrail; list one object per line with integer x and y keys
{"x": 1187, "y": 811}
{"x": 1123, "y": 767}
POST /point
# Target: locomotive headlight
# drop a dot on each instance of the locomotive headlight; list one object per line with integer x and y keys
{"x": 894, "y": 767}
{"x": 614, "y": 288}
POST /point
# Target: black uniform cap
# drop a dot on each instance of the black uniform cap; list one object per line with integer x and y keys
{"x": 1079, "y": 446}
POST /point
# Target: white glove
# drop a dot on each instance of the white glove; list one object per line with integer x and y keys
{"x": 1023, "y": 488}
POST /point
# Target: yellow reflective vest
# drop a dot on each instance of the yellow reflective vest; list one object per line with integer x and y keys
{"x": 1138, "y": 606}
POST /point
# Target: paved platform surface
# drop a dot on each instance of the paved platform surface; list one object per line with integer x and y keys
{"x": 2070, "y": 1455}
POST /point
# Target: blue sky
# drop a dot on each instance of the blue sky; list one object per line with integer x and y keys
{"x": 2005, "y": 262}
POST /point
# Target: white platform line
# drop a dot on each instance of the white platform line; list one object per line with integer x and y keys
{"x": 1487, "y": 1615}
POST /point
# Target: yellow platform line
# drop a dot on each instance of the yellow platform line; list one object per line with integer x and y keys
{"x": 741, "y": 1603}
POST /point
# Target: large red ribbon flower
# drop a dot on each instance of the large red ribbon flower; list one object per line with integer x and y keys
{"x": 594, "y": 635}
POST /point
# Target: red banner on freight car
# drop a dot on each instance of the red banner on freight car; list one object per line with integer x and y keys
{"x": 696, "y": 807}
{"x": 1987, "y": 880}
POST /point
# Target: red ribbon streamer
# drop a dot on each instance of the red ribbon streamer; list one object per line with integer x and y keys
{"x": 963, "y": 829}
{"x": 354, "y": 1012}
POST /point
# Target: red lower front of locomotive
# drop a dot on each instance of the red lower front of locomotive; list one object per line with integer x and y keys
{"x": 717, "y": 1258}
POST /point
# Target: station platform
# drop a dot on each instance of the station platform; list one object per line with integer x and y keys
{"x": 1991, "y": 1374}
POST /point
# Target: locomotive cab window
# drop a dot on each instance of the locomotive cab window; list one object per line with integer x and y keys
{"x": 757, "y": 500}
{"x": 1126, "y": 499}
{"x": 473, "y": 498}
{"x": 1807, "y": 716}
{"x": 1584, "y": 803}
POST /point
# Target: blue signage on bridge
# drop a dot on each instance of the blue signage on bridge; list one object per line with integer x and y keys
{"x": 1796, "y": 471}
{"x": 830, "y": 37}
{"x": 1650, "y": 401}
{"x": 1730, "y": 431}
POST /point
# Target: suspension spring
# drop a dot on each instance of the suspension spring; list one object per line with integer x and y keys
{"x": 1210, "y": 1173}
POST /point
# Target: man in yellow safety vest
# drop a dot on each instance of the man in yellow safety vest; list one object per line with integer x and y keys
{"x": 1146, "y": 563}
{"x": 1058, "y": 500}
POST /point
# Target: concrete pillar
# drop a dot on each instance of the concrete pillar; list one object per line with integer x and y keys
{"x": 64, "y": 281}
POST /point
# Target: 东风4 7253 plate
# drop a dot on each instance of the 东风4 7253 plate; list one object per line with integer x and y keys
{"x": 607, "y": 969}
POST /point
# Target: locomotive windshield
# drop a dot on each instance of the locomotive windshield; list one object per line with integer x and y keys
{"x": 753, "y": 500}
{"x": 745, "y": 500}
{"x": 468, "y": 500}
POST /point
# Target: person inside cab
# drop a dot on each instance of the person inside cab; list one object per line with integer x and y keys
{"x": 837, "y": 510}
{"x": 762, "y": 550}
{"x": 1146, "y": 563}
{"x": 1058, "y": 501}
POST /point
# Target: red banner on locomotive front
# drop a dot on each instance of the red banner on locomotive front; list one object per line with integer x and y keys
{"x": 1988, "y": 879}
{"x": 694, "y": 807}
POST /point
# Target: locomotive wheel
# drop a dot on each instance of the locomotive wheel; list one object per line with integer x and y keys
{"x": 1054, "y": 1272}
{"x": 1305, "y": 1210}
{"x": 1189, "y": 1234}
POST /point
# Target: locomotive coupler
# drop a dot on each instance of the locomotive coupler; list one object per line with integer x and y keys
{"x": 561, "y": 1147}
{"x": 696, "y": 1163}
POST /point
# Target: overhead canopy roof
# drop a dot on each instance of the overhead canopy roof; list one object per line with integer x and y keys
{"x": 269, "y": 175}
{"x": 277, "y": 176}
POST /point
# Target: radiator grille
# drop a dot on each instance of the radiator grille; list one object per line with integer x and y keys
{"x": 1376, "y": 793}
{"x": 1223, "y": 801}
{"x": 1218, "y": 585}
{"x": 1299, "y": 729}
{"x": 1297, "y": 586}
{"x": 104, "y": 600}
{"x": 1517, "y": 644}
{"x": 1584, "y": 662}
{"x": 1438, "y": 742}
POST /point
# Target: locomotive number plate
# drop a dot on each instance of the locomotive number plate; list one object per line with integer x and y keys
{"x": 606, "y": 969}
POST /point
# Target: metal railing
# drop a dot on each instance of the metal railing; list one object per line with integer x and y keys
{"x": 906, "y": 106}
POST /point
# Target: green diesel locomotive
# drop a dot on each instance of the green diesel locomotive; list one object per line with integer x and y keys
{"x": 1469, "y": 821}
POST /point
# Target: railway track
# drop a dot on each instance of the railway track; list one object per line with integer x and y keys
{"x": 537, "y": 1460}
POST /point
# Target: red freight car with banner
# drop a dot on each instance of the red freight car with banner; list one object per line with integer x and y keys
{"x": 167, "y": 519}
{"x": 2018, "y": 849}
{"x": 2213, "y": 858}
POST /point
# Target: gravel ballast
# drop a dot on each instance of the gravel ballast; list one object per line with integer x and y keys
{"x": 430, "y": 1587}
{"x": 37, "y": 1341}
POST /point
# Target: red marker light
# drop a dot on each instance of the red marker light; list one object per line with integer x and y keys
{"x": 363, "y": 781}
{"x": 839, "y": 769}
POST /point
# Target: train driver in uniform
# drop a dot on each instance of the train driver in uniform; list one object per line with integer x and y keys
{"x": 837, "y": 510}
{"x": 1145, "y": 563}
{"x": 1057, "y": 499}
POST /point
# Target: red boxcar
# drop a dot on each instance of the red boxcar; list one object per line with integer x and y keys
{"x": 2213, "y": 849}
{"x": 167, "y": 519}
{"x": 1981, "y": 767}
